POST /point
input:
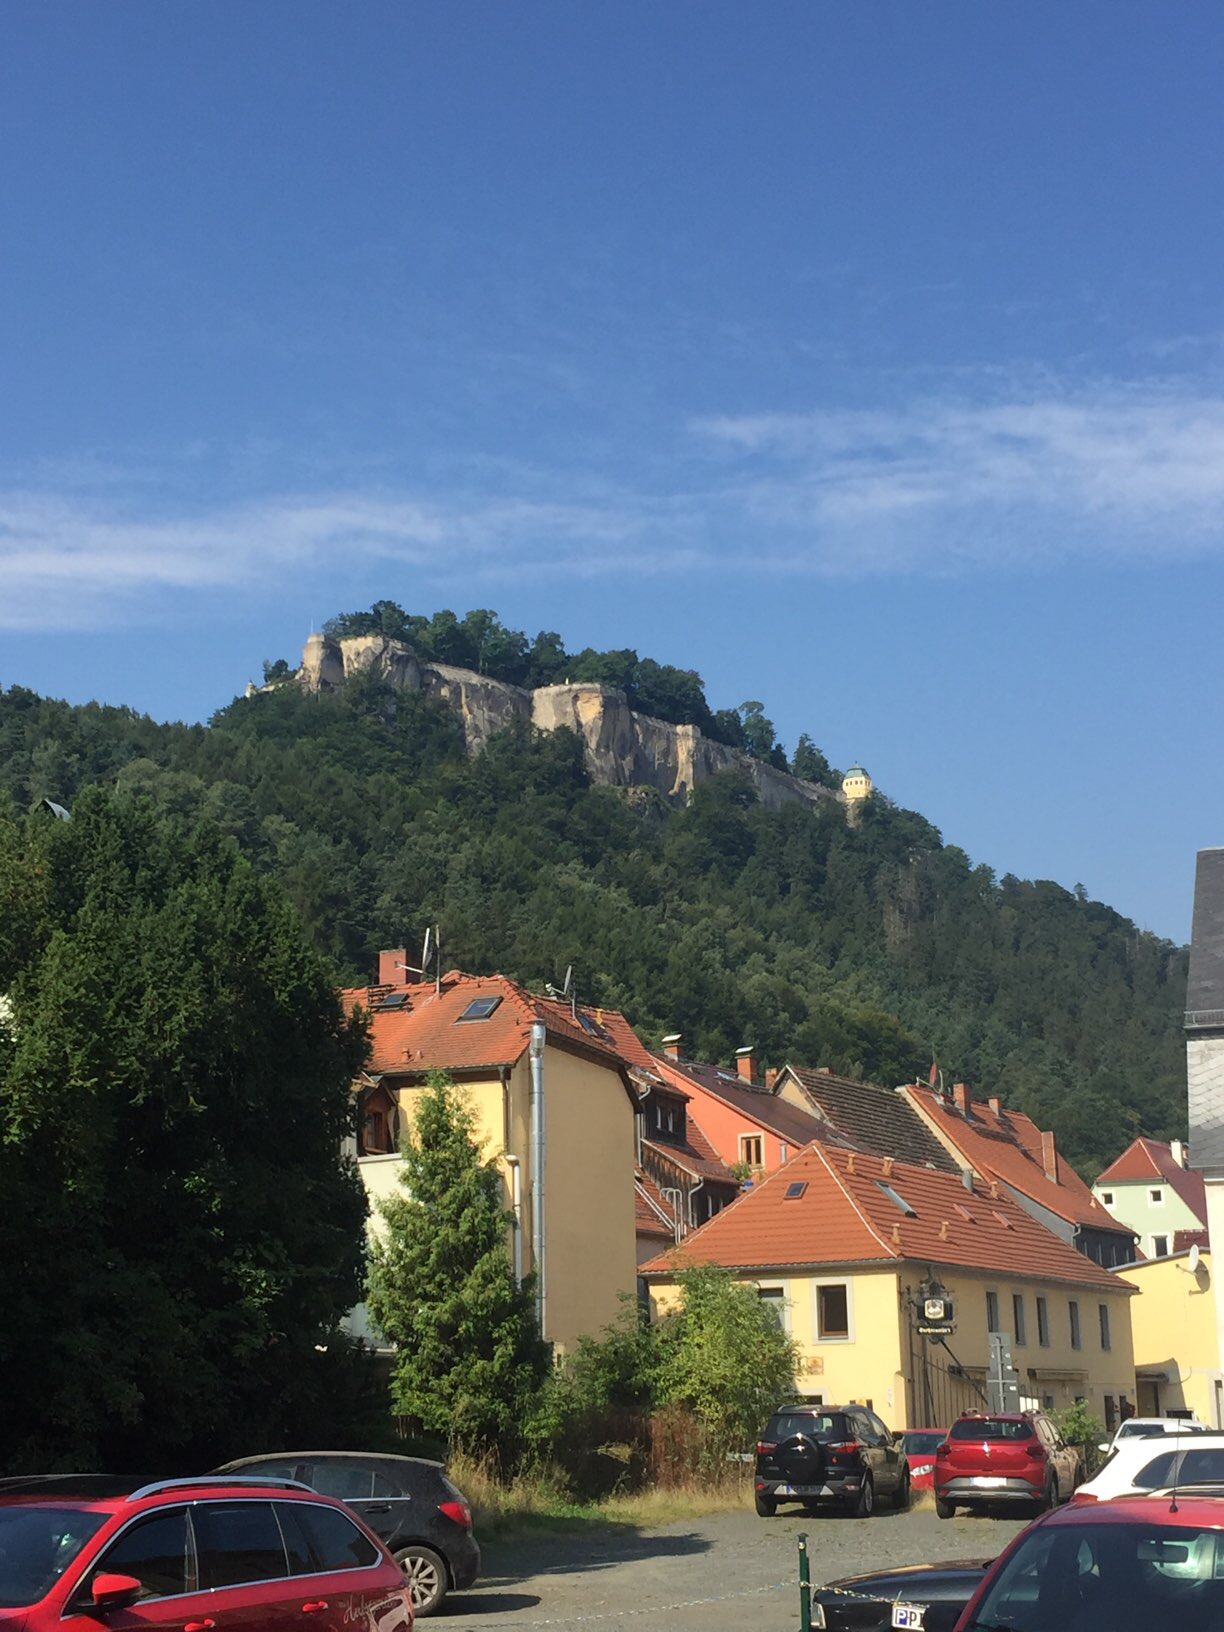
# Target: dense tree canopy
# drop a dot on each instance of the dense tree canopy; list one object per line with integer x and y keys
{"x": 872, "y": 948}
{"x": 180, "y": 1235}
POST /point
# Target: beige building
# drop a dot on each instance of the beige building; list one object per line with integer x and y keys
{"x": 840, "y": 1244}
{"x": 553, "y": 1105}
{"x": 1174, "y": 1320}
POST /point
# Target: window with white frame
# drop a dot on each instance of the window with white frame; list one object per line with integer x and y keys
{"x": 1156, "y": 1197}
{"x": 751, "y": 1152}
{"x": 775, "y": 1300}
{"x": 1160, "y": 1246}
{"x": 1107, "y": 1198}
{"x": 834, "y": 1312}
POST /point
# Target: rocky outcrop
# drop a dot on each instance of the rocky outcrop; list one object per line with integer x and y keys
{"x": 623, "y": 749}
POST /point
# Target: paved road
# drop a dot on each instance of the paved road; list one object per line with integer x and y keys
{"x": 724, "y": 1573}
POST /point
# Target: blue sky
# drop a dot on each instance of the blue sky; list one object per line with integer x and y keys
{"x": 868, "y": 359}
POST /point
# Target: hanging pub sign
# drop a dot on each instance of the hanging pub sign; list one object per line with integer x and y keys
{"x": 936, "y": 1317}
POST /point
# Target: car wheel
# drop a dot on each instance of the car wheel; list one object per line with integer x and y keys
{"x": 901, "y": 1496}
{"x": 865, "y": 1506}
{"x": 944, "y": 1510}
{"x": 766, "y": 1506}
{"x": 1048, "y": 1497}
{"x": 425, "y": 1574}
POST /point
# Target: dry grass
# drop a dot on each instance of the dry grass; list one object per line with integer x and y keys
{"x": 539, "y": 1503}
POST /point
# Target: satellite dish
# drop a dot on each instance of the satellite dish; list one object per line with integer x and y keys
{"x": 1192, "y": 1262}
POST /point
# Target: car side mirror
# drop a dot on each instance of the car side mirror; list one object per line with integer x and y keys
{"x": 114, "y": 1591}
{"x": 1103, "y": 1446}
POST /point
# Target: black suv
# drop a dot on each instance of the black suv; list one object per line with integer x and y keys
{"x": 829, "y": 1453}
{"x": 409, "y": 1504}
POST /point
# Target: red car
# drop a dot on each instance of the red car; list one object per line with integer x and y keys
{"x": 1001, "y": 1458}
{"x": 920, "y": 1445}
{"x": 99, "y": 1553}
{"x": 1135, "y": 1564}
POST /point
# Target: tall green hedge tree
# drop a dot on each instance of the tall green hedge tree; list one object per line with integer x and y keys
{"x": 180, "y": 1234}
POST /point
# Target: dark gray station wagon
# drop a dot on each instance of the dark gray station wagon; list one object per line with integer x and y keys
{"x": 408, "y": 1502}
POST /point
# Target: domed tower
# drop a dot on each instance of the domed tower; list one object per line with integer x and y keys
{"x": 856, "y": 787}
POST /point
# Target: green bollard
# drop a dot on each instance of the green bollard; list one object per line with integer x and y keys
{"x": 805, "y": 1586}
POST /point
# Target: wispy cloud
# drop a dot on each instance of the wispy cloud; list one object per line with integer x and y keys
{"x": 77, "y": 562}
{"x": 937, "y": 484}
{"x": 944, "y": 482}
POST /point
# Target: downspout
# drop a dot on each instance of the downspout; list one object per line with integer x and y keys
{"x": 516, "y": 1177}
{"x": 692, "y": 1215}
{"x": 537, "y": 1173}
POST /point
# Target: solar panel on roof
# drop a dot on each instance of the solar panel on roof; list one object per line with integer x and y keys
{"x": 480, "y": 1008}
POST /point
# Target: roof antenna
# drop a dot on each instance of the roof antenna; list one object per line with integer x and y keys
{"x": 566, "y": 989}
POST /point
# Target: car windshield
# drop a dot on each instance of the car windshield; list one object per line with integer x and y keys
{"x": 37, "y": 1544}
{"x": 922, "y": 1444}
{"x": 830, "y": 1425}
{"x": 990, "y": 1428}
{"x": 1108, "y": 1578}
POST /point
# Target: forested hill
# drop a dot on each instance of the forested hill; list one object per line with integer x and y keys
{"x": 871, "y": 948}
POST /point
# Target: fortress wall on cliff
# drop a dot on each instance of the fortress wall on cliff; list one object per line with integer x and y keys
{"x": 623, "y": 749}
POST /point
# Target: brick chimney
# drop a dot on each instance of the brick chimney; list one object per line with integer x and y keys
{"x": 391, "y": 970}
{"x": 1178, "y": 1151}
{"x": 772, "y": 1073}
{"x": 960, "y": 1097}
{"x": 1049, "y": 1157}
{"x": 671, "y": 1045}
{"x": 996, "y": 1105}
{"x": 745, "y": 1064}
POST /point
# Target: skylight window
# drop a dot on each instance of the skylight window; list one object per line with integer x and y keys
{"x": 591, "y": 1027}
{"x": 899, "y": 1202}
{"x": 393, "y": 1000}
{"x": 795, "y": 1190}
{"x": 480, "y": 1008}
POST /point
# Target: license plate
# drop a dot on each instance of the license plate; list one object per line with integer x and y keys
{"x": 989, "y": 1482}
{"x": 798, "y": 1490}
{"x": 908, "y": 1615}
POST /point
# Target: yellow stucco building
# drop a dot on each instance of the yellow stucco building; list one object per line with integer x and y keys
{"x": 856, "y": 784}
{"x": 1177, "y": 1360}
{"x": 838, "y": 1243}
{"x": 556, "y": 1111}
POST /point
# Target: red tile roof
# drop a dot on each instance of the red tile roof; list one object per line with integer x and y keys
{"x": 426, "y": 1032}
{"x": 651, "y": 1214}
{"x": 1183, "y": 1240}
{"x": 1147, "y": 1159}
{"x": 757, "y": 1104}
{"x": 1007, "y": 1146}
{"x": 845, "y": 1217}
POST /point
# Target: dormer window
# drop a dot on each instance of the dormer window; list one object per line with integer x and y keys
{"x": 378, "y": 1130}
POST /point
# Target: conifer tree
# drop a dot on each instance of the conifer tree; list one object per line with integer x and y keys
{"x": 470, "y": 1358}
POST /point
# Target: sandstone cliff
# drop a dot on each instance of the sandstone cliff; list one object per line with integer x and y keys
{"x": 623, "y": 749}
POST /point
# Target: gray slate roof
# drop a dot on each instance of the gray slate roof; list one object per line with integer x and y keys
{"x": 873, "y": 1119}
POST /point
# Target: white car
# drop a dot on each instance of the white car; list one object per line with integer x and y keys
{"x": 1194, "y": 1456}
{"x": 1146, "y": 1427}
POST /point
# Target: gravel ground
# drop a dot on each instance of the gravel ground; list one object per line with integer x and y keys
{"x": 722, "y": 1573}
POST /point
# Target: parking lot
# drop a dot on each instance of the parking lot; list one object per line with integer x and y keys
{"x": 727, "y": 1571}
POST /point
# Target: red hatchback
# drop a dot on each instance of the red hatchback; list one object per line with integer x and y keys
{"x": 996, "y": 1459}
{"x": 98, "y": 1553}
